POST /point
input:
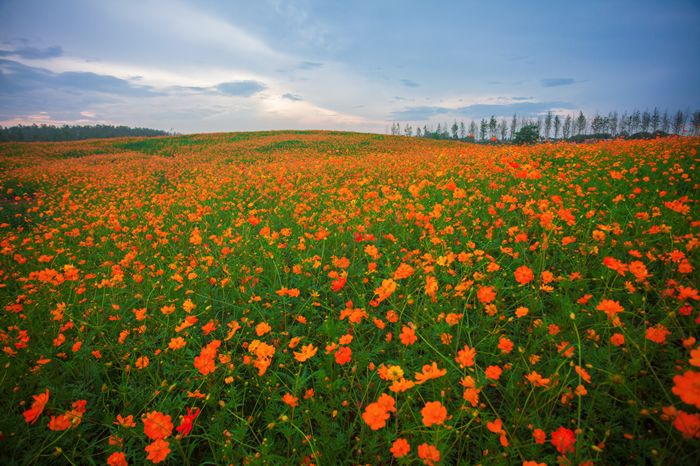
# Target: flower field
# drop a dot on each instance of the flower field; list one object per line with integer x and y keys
{"x": 339, "y": 298}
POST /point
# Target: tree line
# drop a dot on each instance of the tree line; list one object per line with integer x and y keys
{"x": 566, "y": 127}
{"x": 72, "y": 132}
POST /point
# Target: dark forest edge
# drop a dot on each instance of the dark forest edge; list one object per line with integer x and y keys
{"x": 36, "y": 133}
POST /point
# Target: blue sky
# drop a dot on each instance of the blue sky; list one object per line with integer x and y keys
{"x": 201, "y": 66}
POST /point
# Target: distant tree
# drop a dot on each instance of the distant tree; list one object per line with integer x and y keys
{"x": 567, "y": 127}
{"x": 483, "y": 129}
{"x": 462, "y": 130}
{"x": 547, "y": 124}
{"x": 418, "y": 132}
{"x": 599, "y": 124}
{"x": 612, "y": 123}
{"x": 473, "y": 130}
{"x": 665, "y": 122}
{"x": 408, "y": 130}
{"x": 679, "y": 122}
{"x": 455, "y": 130}
{"x": 635, "y": 121}
{"x": 695, "y": 121}
{"x": 426, "y": 131}
{"x": 528, "y": 134}
{"x": 557, "y": 126}
{"x": 513, "y": 126}
{"x": 655, "y": 120}
{"x": 503, "y": 129}
{"x": 646, "y": 121}
{"x": 623, "y": 124}
{"x": 493, "y": 126}
{"x": 580, "y": 123}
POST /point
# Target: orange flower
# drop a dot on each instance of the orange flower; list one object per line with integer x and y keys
{"x": 126, "y": 422}
{"x": 657, "y": 334}
{"x": 433, "y": 413}
{"x": 687, "y": 387}
{"x": 400, "y": 448}
{"x": 616, "y": 265}
{"x": 158, "y": 451}
{"x": 429, "y": 371}
{"x": 142, "y": 362}
{"x": 375, "y": 416}
{"x": 465, "y": 357}
{"x": 263, "y": 353}
{"x": 306, "y": 353}
{"x": 695, "y": 357}
{"x": 493, "y": 372}
{"x": 387, "y": 402}
{"x": 486, "y": 294}
{"x": 495, "y": 426}
{"x": 177, "y": 343}
{"x": 33, "y": 413}
{"x": 639, "y": 270}
{"x": 611, "y": 308}
{"x": 60, "y": 423}
{"x": 428, "y": 453}
{"x": 403, "y": 271}
{"x": 117, "y": 459}
{"x": 505, "y": 345}
{"x": 338, "y": 284}
{"x": 524, "y": 275}
{"x": 385, "y": 290}
{"x": 431, "y": 287}
{"x": 407, "y": 336}
{"x": 617, "y": 339}
{"x": 205, "y": 362}
{"x": 687, "y": 424}
{"x": 157, "y": 425}
{"x": 540, "y": 436}
{"x": 377, "y": 413}
{"x": 262, "y": 328}
{"x": 343, "y": 355}
{"x": 537, "y": 380}
{"x": 401, "y": 385}
{"x": 291, "y": 400}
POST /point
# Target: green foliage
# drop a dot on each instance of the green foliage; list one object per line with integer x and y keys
{"x": 528, "y": 134}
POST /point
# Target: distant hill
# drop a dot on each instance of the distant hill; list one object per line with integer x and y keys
{"x": 72, "y": 132}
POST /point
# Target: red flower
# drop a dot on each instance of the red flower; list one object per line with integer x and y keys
{"x": 33, "y": 413}
{"x": 186, "y": 424}
{"x": 563, "y": 439}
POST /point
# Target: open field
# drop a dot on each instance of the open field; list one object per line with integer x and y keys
{"x": 342, "y": 298}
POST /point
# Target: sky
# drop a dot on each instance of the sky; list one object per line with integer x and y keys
{"x": 209, "y": 66}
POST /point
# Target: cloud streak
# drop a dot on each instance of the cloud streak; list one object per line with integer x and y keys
{"x": 245, "y": 88}
{"x": 292, "y": 97}
{"x": 33, "y": 53}
{"x": 556, "y": 82}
